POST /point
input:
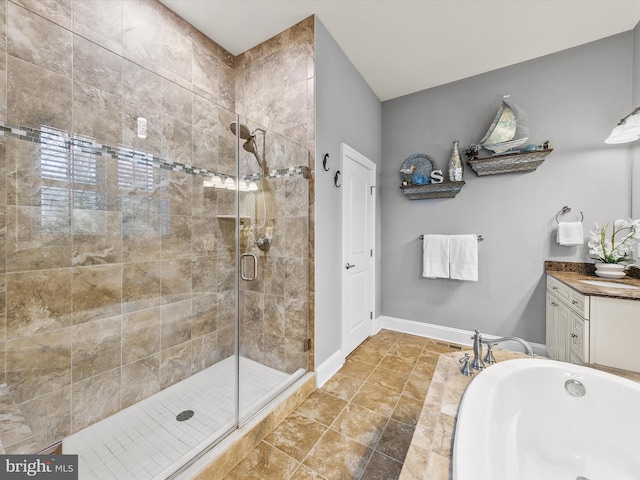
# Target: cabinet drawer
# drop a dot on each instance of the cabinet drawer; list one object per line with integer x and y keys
{"x": 559, "y": 289}
{"x": 578, "y": 302}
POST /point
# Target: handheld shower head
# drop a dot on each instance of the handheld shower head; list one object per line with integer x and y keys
{"x": 251, "y": 147}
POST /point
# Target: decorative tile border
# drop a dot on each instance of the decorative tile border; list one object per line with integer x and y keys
{"x": 89, "y": 146}
{"x": 281, "y": 173}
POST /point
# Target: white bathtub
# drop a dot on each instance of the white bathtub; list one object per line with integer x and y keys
{"x": 517, "y": 421}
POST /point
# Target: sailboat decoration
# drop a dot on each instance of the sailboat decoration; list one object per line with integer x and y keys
{"x": 510, "y": 128}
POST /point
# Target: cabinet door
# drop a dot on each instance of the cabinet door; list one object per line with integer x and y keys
{"x": 615, "y": 330}
{"x": 551, "y": 336}
{"x": 562, "y": 326}
{"x": 578, "y": 339}
{"x": 557, "y": 336}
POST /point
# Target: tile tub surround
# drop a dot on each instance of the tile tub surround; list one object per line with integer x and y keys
{"x": 360, "y": 424}
{"x": 429, "y": 455}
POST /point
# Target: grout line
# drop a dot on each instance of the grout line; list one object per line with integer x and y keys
{"x": 373, "y": 449}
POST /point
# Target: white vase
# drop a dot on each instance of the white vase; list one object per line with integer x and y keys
{"x": 610, "y": 270}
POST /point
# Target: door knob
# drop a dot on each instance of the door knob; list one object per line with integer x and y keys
{"x": 348, "y": 266}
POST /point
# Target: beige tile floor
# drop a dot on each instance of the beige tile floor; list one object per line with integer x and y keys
{"x": 360, "y": 423}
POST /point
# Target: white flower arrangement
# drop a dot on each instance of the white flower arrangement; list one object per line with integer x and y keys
{"x": 609, "y": 249}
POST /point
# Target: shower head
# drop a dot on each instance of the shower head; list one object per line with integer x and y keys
{"x": 251, "y": 147}
{"x": 245, "y": 133}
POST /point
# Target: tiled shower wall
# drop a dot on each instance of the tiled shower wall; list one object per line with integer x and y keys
{"x": 275, "y": 87}
{"x": 116, "y": 277}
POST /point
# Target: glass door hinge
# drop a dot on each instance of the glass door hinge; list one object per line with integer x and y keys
{"x": 307, "y": 345}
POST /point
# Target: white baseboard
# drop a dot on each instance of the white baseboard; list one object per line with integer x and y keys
{"x": 375, "y": 326}
{"x": 329, "y": 368}
{"x": 448, "y": 334}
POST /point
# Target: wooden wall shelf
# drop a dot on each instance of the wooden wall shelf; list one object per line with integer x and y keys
{"x": 509, "y": 162}
{"x": 432, "y": 190}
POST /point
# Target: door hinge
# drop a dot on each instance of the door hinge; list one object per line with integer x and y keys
{"x": 371, "y": 253}
{"x": 372, "y": 187}
{"x": 307, "y": 345}
{"x": 371, "y": 315}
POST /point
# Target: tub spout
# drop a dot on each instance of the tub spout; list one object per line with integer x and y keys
{"x": 528, "y": 349}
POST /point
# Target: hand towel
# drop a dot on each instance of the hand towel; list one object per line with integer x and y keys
{"x": 570, "y": 233}
{"x": 463, "y": 257}
{"x": 435, "y": 256}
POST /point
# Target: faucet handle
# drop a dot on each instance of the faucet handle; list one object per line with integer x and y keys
{"x": 466, "y": 368}
{"x": 489, "y": 358}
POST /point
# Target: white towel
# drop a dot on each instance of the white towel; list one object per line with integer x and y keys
{"x": 570, "y": 233}
{"x": 435, "y": 256}
{"x": 463, "y": 257}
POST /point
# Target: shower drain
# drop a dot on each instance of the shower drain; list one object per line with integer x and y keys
{"x": 186, "y": 415}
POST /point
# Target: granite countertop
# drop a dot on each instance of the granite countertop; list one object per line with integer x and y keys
{"x": 572, "y": 279}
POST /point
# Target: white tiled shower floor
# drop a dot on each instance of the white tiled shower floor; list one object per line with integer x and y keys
{"x": 145, "y": 441}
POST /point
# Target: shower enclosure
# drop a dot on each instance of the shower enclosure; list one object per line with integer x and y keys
{"x": 155, "y": 299}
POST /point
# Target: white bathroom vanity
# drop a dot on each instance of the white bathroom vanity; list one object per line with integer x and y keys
{"x": 590, "y": 320}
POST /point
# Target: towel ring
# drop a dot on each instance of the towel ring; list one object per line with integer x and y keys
{"x": 567, "y": 209}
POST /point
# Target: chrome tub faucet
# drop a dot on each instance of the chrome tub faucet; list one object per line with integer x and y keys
{"x": 528, "y": 349}
{"x": 478, "y": 362}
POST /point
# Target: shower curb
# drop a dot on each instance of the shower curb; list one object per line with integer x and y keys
{"x": 221, "y": 459}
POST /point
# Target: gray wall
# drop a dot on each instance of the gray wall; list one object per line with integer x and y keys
{"x": 573, "y": 98}
{"x": 346, "y": 111}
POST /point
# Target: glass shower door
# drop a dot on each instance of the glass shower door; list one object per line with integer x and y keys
{"x": 273, "y": 283}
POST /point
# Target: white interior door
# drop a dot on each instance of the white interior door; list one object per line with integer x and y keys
{"x": 358, "y": 238}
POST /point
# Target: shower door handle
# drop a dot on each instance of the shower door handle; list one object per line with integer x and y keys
{"x": 255, "y": 267}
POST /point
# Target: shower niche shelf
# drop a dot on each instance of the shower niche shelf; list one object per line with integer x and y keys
{"x": 509, "y": 162}
{"x": 243, "y": 218}
{"x": 432, "y": 190}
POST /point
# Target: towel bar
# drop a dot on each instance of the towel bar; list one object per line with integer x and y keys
{"x": 480, "y": 237}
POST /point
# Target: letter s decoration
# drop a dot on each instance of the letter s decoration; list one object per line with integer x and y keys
{"x": 436, "y": 176}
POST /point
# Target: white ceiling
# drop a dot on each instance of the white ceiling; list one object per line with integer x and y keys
{"x": 403, "y": 46}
